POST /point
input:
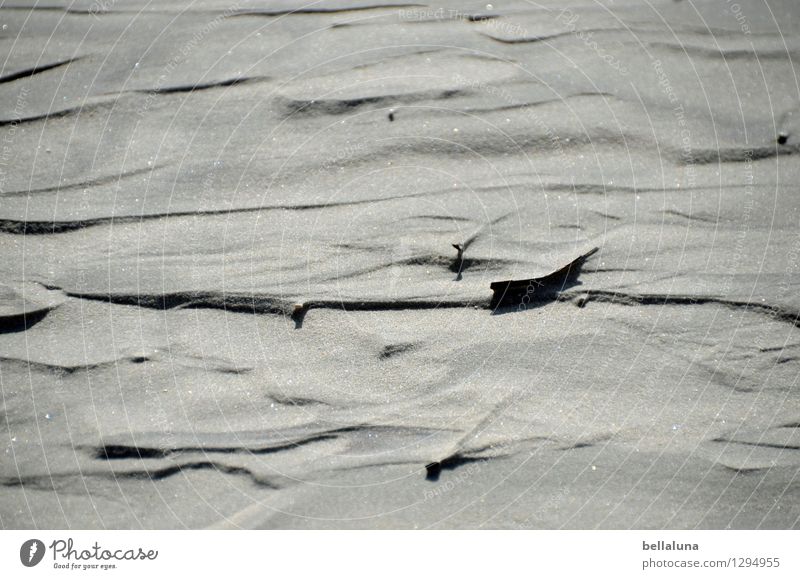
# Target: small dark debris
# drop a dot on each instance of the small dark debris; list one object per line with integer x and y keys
{"x": 783, "y": 138}
{"x": 394, "y": 349}
{"x": 582, "y": 300}
{"x": 299, "y": 312}
{"x": 433, "y": 470}
{"x": 391, "y": 117}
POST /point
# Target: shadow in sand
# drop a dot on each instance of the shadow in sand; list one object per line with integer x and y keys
{"x": 514, "y": 295}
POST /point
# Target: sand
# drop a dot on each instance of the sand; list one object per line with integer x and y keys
{"x": 231, "y": 297}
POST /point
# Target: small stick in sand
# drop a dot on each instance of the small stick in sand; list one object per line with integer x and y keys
{"x": 458, "y": 264}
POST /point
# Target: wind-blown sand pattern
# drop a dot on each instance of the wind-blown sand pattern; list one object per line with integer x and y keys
{"x": 247, "y": 251}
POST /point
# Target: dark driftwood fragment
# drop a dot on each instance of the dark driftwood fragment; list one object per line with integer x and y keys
{"x": 433, "y": 470}
{"x": 520, "y": 292}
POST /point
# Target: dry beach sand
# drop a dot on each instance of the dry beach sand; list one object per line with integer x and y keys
{"x": 230, "y": 295}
